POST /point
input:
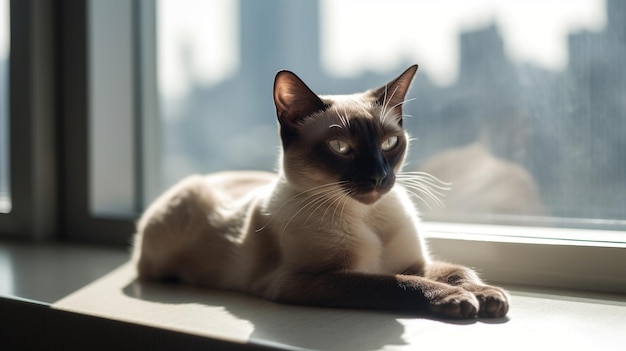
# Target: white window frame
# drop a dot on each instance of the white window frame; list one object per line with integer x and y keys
{"x": 581, "y": 259}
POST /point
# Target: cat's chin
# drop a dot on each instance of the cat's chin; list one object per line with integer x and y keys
{"x": 370, "y": 197}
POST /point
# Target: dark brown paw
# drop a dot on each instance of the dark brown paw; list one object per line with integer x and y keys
{"x": 493, "y": 301}
{"x": 455, "y": 303}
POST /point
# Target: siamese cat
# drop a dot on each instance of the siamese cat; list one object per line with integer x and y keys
{"x": 335, "y": 227}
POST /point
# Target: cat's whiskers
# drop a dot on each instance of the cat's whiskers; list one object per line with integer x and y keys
{"x": 431, "y": 190}
{"x": 316, "y": 198}
{"x": 343, "y": 206}
{"x": 427, "y": 177}
{"x": 416, "y": 193}
{"x": 421, "y": 183}
{"x": 327, "y": 197}
{"x": 335, "y": 205}
{"x": 345, "y": 119}
{"x": 335, "y": 125}
{"x": 320, "y": 194}
{"x": 434, "y": 188}
{"x": 337, "y": 199}
{"x": 416, "y": 190}
{"x": 313, "y": 190}
{"x": 313, "y": 194}
{"x": 385, "y": 111}
{"x": 345, "y": 122}
{"x": 389, "y": 112}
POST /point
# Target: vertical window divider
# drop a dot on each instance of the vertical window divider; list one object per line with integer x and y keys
{"x": 147, "y": 115}
{"x": 79, "y": 223}
{"x": 32, "y": 123}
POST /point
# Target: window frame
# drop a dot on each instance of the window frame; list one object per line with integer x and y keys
{"x": 538, "y": 256}
{"x": 79, "y": 223}
{"x": 528, "y": 255}
{"x": 33, "y": 153}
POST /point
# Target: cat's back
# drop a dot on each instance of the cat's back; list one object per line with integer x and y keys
{"x": 206, "y": 192}
{"x": 198, "y": 212}
{"x": 233, "y": 185}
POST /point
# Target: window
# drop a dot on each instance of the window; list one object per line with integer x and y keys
{"x": 96, "y": 109}
{"x": 111, "y": 122}
{"x": 545, "y": 117}
{"x": 525, "y": 122}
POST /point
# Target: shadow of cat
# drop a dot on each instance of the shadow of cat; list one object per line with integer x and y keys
{"x": 292, "y": 326}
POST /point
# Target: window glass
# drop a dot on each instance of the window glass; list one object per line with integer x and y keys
{"x": 5, "y": 190}
{"x": 111, "y": 114}
{"x": 519, "y": 105}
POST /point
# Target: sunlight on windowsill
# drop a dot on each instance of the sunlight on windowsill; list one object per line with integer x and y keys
{"x": 555, "y": 320}
{"x": 525, "y": 234}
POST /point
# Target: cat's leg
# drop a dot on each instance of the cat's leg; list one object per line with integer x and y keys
{"x": 494, "y": 301}
{"x": 369, "y": 291}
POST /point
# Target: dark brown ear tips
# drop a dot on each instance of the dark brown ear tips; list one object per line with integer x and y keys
{"x": 294, "y": 100}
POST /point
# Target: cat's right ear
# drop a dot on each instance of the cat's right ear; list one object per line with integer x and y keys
{"x": 294, "y": 100}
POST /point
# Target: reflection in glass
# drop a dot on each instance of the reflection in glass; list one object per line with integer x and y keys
{"x": 526, "y": 121}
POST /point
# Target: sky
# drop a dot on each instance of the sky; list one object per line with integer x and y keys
{"x": 534, "y": 31}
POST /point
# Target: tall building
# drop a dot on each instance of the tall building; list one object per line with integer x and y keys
{"x": 280, "y": 34}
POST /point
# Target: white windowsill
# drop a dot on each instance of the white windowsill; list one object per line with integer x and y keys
{"x": 72, "y": 278}
{"x": 537, "y": 320}
{"x": 541, "y": 257}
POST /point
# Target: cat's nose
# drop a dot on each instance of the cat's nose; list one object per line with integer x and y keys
{"x": 378, "y": 179}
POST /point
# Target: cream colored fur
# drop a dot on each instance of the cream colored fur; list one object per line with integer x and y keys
{"x": 316, "y": 233}
{"x": 210, "y": 230}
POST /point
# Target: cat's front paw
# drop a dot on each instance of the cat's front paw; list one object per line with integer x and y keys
{"x": 494, "y": 301}
{"x": 455, "y": 303}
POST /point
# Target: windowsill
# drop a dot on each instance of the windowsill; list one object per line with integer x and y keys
{"x": 47, "y": 272}
{"x": 80, "y": 290}
{"x": 534, "y": 256}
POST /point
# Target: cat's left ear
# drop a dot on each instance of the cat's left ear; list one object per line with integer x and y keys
{"x": 391, "y": 95}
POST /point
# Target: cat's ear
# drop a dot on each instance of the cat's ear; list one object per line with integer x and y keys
{"x": 391, "y": 95}
{"x": 293, "y": 99}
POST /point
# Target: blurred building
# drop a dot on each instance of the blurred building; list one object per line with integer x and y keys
{"x": 564, "y": 128}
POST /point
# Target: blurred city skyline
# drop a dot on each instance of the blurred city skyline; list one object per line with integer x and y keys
{"x": 358, "y": 36}
{"x": 561, "y": 126}
{"x": 562, "y": 129}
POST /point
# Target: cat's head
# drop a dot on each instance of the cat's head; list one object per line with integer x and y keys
{"x": 355, "y": 143}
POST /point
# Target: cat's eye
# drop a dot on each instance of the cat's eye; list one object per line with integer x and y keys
{"x": 339, "y": 147}
{"x": 389, "y": 143}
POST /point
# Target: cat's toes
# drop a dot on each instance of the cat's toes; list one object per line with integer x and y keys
{"x": 494, "y": 302}
{"x": 457, "y": 303}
